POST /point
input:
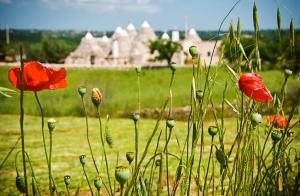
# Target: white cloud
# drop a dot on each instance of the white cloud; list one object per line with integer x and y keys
{"x": 105, "y": 5}
{"x": 5, "y": 1}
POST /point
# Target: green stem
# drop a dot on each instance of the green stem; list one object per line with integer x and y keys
{"x": 87, "y": 135}
{"x": 22, "y": 120}
{"x": 210, "y": 152}
{"x": 104, "y": 151}
{"x": 87, "y": 179}
{"x": 136, "y": 144}
{"x": 49, "y": 168}
{"x": 9, "y": 153}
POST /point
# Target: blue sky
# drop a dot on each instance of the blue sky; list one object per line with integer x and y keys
{"x": 161, "y": 14}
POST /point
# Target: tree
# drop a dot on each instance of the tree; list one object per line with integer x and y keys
{"x": 165, "y": 48}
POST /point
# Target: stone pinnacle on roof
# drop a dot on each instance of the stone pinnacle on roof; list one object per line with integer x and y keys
{"x": 88, "y": 35}
{"x": 145, "y": 24}
{"x": 165, "y": 36}
{"x": 130, "y": 27}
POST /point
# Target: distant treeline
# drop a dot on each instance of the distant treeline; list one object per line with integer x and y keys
{"x": 53, "y": 46}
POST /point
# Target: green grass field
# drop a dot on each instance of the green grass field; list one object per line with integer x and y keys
{"x": 70, "y": 142}
{"x": 119, "y": 88}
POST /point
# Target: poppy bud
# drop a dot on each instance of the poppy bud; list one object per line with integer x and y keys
{"x": 199, "y": 95}
{"x": 221, "y": 157}
{"x": 193, "y": 51}
{"x": 122, "y": 173}
{"x": 288, "y": 72}
{"x": 135, "y": 117}
{"x": 255, "y": 118}
{"x": 158, "y": 162}
{"x": 170, "y": 123}
{"x": 276, "y": 136}
{"x": 213, "y": 130}
{"x": 98, "y": 183}
{"x": 97, "y": 97}
{"x": 173, "y": 66}
{"x": 138, "y": 70}
{"x": 109, "y": 138}
{"x": 61, "y": 193}
{"x": 51, "y": 124}
{"x": 67, "y": 180}
{"x": 82, "y": 91}
{"x": 82, "y": 159}
{"x": 130, "y": 156}
{"x": 20, "y": 183}
{"x": 178, "y": 172}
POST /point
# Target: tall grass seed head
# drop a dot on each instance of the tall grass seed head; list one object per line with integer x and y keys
{"x": 256, "y": 118}
{"x": 20, "y": 183}
{"x": 51, "y": 124}
{"x": 67, "y": 180}
{"x": 170, "y": 123}
{"x": 98, "y": 182}
{"x": 194, "y": 51}
{"x": 81, "y": 90}
{"x": 278, "y": 20}
{"x": 239, "y": 29}
{"x": 292, "y": 33}
{"x": 231, "y": 33}
{"x": 130, "y": 157}
{"x": 82, "y": 159}
{"x": 213, "y": 130}
{"x": 96, "y": 97}
{"x": 122, "y": 174}
{"x": 255, "y": 17}
{"x": 109, "y": 138}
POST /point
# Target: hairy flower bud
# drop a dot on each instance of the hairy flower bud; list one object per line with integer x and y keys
{"x": 288, "y": 72}
{"x": 173, "y": 66}
{"x": 82, "y": 91}
{"x": 157, "y": 162}
{"x": 221, "y": 157}
{"x": 51, "y": 124}
{"x": 20, "y": 183}
{"x": 138, "y": 70}
{"x": 135, "y": 117}
{"x": 199, "y": 95}
{"x": 130, "y": 157}
{"x": 97, "y": 97}
{"x": 276, "y": 136}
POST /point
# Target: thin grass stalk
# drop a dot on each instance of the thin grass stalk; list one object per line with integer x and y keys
{"x": 9, "y": 153}
{"x": 49, "y": 167}
{"x": 210, "y": 152}
{"x": 104, "y": 150}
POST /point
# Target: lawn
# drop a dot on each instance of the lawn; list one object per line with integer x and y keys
{"x": 69, "y": 142}
{"x": 119, "y": 88}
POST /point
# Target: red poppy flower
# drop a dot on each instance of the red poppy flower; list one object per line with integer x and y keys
{"x": 279, "y": 121}
{"x": 252, "y": 85}
{"x": 37, "y": 77}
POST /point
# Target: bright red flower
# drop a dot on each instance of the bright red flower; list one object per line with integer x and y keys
{"x": 37, "y": 77}
{"x": 279, "y": 121}
{"x": 252, "y": 85}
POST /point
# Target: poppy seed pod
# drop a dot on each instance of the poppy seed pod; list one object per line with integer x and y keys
{"x": 98, "y": 183}
{"x": 138, "y": 70}
{"x": 193, "y": 51}
{"x": 20, "y": 183}
{"x": 199, "y": 95}
{"x": 173, "y": 66}
{"x": 135, "y": 117}
{"x": 82, "y": 159}
{"x": 122, "y": 173}
{"x": 221, "y": 157}
{"x": 82, "y": 91}
{"x": 158, "y": 162}
{"x": 51, "y": 124}
{"x": 170, "y": 123}
{"x": 276, "y": 136}
{"x": 109, "y": 138}
{"x": 67, "y": 180}
{"x": 288, "y": 72}
{"x": 213, "y": 130}
{"x": 97, "y": 97}
{"x": 256, "y": 119}
{"x": 130, "y": 157}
